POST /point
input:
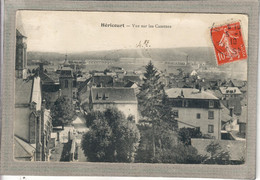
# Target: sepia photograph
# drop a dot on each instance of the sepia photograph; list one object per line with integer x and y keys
{"x": 129, "y": 87}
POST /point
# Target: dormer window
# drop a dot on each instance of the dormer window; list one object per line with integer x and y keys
{"x": 105, "y": 96}
{"x": 98, "y": 97}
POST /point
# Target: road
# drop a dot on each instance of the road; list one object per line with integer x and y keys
{"x": 80, "y": 126}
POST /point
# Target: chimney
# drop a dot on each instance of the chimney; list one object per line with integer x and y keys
{"x": 231, "y": 111}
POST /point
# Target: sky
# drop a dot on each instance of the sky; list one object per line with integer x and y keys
{"x": 76, "y": 31}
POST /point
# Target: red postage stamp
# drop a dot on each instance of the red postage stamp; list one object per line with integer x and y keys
{"x": 228, "y": 43}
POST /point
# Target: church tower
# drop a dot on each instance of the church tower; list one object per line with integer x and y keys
{"x": 21, "y": 56}
{"x": 66, "y": 79}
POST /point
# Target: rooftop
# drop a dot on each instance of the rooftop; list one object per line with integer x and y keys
{"x": 225, "y": 114}
{"x": 22, "y": 149}
{"x": 133, "y": 78}
{"x": 189, "y": 93}
{"x": 113, "y": 95}
{"x": 36, "y": 93}
{"x": 234, "y": 103}
{"x": 237, "y": 83}
{"x": 27, "y": 91}
{"x": 23, "y": 91}
{"x": 84, "y": 84}
{"x": 229, "y": 90}
{"x": 243, "y": 116}
{"x": 49, "y": 78}
{"x": 103, "y": 80}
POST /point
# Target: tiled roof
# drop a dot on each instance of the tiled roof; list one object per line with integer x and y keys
{"x": 113, "y": 95}
{"x": 49, "y": 78}
{"x": 84, "y": 84}
{"x": 105, "y": 81}
{"x": 217, "y": 93}
{"x": 233, "y": 103}
{"x": 229, "y": 90}
{"x": 225, "y": 114}
{"x": 189, "y": 93}
{"x": 36, "y": 93}
{"x": 22, "y": 149}
{"x": 130, "y": 84}
{"x": 133, "y": 78}
{"x": 237, "y": 83}
{"x": 23, "y": 91}
{"x": 119, "y": 84}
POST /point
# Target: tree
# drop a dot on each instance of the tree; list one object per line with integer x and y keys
{"x": 112, "y": 138}
{"x": 93, "y": 115}
{"x": 62, "y": 111}
{"x": 217, "y": 154}
{"x": 165, "y": 140}
{"x": 153, "y": 102}
{"x": 97, "y": 142}
{"x": 185, "y": 135}
{"x": 168, "y": 151}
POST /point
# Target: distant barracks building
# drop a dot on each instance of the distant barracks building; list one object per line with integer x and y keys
{"x": 196, "y": 109}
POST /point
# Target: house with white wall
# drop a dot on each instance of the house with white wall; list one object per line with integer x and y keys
{"x": 122, "y": 98}
{"x": 195, "y": 108}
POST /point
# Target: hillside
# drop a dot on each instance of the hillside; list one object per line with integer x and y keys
{"x": 172, "y": 54}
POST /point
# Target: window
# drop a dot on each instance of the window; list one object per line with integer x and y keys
{"x": 211, "y": 115}
{"x": 198, "y": 115}
{"x": 211, "y": 128}
{"x": 175, "y": 113}
{"x": 186, "y": 103}
{"x": 105, "y": 96}
{"x": 66, "y": 83}
{"x": 211, "y": 104}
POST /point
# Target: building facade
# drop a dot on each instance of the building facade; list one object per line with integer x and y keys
{"x": 124, "y": 99}
{"x": 230, "y": 92}
{"x": 196, "y": 109}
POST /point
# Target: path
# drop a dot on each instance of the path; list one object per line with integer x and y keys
{"x": 80, "y": 126}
